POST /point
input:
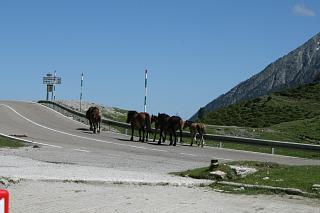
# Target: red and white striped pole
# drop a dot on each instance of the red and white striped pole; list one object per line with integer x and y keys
{"x": 81, "y": 85}
{"x": 145, "y": 90}
{"x": 4, "y": 201}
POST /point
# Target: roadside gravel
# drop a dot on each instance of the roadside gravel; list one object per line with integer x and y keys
{"x": 44, "y": 187}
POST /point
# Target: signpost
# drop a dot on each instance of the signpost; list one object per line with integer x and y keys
{"x": 51, "y": 81}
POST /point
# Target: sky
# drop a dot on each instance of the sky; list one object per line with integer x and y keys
{"x": 194, "y": 50}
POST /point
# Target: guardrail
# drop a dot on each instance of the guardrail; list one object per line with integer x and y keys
{"x": 220, "y": 138}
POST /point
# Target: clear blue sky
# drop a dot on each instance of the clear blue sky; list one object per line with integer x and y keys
{"x": 194, "y": 50}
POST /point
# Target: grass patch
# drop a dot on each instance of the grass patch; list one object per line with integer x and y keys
{"x": 268, "y": 174}
{"x": 10, "y": 143}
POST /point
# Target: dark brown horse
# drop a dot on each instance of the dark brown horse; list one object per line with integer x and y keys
{"x": 140, "y": 121}
{"x": 94, "y": 117}
{"x": 175, "y": 123}
{"x": 195, "y": 128}
{"x": 163, "y": 126}
{"x": 88, "y": 113}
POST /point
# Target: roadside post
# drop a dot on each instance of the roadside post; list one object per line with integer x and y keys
{"x": 4, "y": 201}
{"x": 145, "y": 90}
{"x": 81, "y": 85}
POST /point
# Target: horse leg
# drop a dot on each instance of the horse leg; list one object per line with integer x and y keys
{"x": 175, "y": 138}
{"x": 99, "y": 126}
{"x": 90, "y": 123}
{"x": 170, "y": 139}
{"x": 147, "y": 135}
{"x": 181, "y": 141}
{"x": 161, "y": 130}
{"x": 155, "y": 135}
{"x": 202, "y": 140}
{"x": 143, "y": 134}
{"x": 94, "y": 129}
{"x": 164, "y": 136}
{"x": 192, "y": 138}
{"x": 132, "y": 130}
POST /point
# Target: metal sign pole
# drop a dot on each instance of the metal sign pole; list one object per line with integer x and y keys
{"x": 54, "y": 87}
{"x": 145, "y": 90}
{"x": 81, "y": 84}
{"x": 47, "y": 92}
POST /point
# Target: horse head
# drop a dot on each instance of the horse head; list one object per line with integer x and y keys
{"x": 187, "y": 123}
{"x": 130, "y": 115}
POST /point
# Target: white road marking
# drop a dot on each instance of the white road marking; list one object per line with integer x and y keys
{"x": 29, "y": 141}
{"x": 78, "y": 136}
{"x": 188, "y": 154}
{"x": 81, "y": 150}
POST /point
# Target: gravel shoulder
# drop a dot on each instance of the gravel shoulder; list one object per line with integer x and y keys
{"x": 42, "y": 196}
{"x": 37, "y": 186}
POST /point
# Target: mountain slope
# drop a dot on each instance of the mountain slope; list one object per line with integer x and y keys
{"x": 287, "y": 105}
{"x": 299, "y": 67}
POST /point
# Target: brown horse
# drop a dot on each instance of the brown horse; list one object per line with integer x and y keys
{"x": 163, "y": 126}
{"x": 88, "y": 113}
{"x": 94, "y": 117}
{"x": 140, "y": 121}
{"x": 175, "y": 123}
{"x": 195, "y": 128}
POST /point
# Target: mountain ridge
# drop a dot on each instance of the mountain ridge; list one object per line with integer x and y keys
{"x": 298, "y": 67}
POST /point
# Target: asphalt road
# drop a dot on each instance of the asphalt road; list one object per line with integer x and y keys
{"x": 45, "y": 126}
{"x": 68, "y": 151}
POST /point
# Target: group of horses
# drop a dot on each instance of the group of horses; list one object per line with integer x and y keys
{"x": 163, "y": 123}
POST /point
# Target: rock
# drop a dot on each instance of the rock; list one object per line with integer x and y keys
{"x": 4, "y": 182}
{"x": 316, "y": 187}
{"x": 239, "y": 189}
{"x": 220, "y": 175}
{"x": 14, "y": 180}
{"x": 266, "y": 178}
{"x": 243, "y": 171}
{"x": 214, "y": 164}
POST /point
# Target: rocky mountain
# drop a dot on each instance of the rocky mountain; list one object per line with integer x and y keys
{"x": 301, "y": 66}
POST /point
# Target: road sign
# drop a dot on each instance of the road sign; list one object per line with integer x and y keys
{"x": 51, "y": 80}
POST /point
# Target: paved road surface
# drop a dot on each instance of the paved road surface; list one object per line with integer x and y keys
{"x": 70, "y": 152}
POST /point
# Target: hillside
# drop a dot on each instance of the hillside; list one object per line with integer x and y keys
{"x": 288, "y": 105}
{"x": 301, "y": 66}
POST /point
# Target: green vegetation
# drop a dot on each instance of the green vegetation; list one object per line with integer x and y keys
{"x": 115, "y": 114}
{"x": 286, "y": 106}
{"x": 11, "y": 143}
{"x": 290, "y": 115}
{"x": 268, "y": 174}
